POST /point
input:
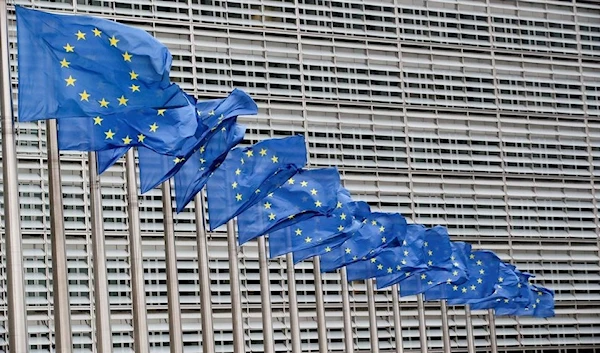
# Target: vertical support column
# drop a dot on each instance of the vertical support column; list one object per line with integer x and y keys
{"x": 174, "y": 311}
{"x": 397, "y": 319}
{"x": 347, "y": 315}
{"x": 15, "y": 285}
{"x": 422, "y": 323}
{"x": 294, "y": 320}
{"x": 265, "y": 297}
{"x": 60, "y": 281}
{"x": 236, "y": 299}
{"x": 492, "y": 323}
{"x": 138, "y": 290}
{"x": 101, "y": 303}
{"x": 445, "y": 327}
{"x": 373, "y": 331}
{"x": 470, "y": 334}
{"x": 208, "y": 335}
{"x": 321, "y": 323}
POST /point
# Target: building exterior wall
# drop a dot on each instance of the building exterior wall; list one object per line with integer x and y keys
{"x": 483, "y": 116}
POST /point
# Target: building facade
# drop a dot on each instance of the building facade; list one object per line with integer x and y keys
{"x": 482, "y": 116}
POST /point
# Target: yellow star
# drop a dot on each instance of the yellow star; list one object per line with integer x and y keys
{"x": 308, "y": 239}
{"x": 348, "y": 250}
{"x": 202, "y": 160}
{"x": 211, "y": 113}
{"x": 153, "y": 127}
{"x": 339, "y": 205}
{"x": 267, "y": 205}
{"x": 177, "y": 160}
{"x": 272, "y": 217}
{"x": 291, "y": 181}
{"x": 313, "y": 191}
{"x": 80, "y": 35}
{"x": 122, "y": 100}
{"x": 70, "y": 81}
{"x": 84, "y": 96}
{"x": 263, "y": 152}
{"x": 98, "y": 120}
{"x": 405, "y": 252}
{"x": 103, "y": 103}
{"x": 318, "y": 203}
{"x": 429, "y": 263}
{"x": 455, "y": 273}
{"x": 481, "y": 271}
{"x": 407, "y": 274}
{"x": 113, "y": 41}
{"x": 133, "y": 75}
{"x": 471, "y": 256}
{"x": 141, "y": 138}
{"x": 479, "y": 280}
{"x": 343, "y": 216}
{"x": 97, "y": 32}
{"x": 109, "y": 135}
{"x": 500, "y": 279}
{"x": 426, "y": 244}
{"x": 134, "y": 88}
{"x": 64, "y": 63}
{"x": 238, "y": 171}
{"x": 249, "y": 153}
{"x": 464, "y": 290}
{"x": 234, "y": 185}
{"x": 298, "y": 231}
{"x": 374, "y": 222}
{"x": 479, "y": 263}
{"x": 127, "y": 56}
{"x": 380, "y": 267}
{"x": 201, "y": 149}
{"x": 127, "y": 140}
{"x": 383, "y": 239}
{"x": 473, "y": 287}
{"x": 340, "y": 228}
{"x": 274, "y": 159}
{"x": 455, "y": 288}
{"x": 373, "y": 260}
{"x": 69, "y": 48}
{"x": 381, "y": 229}
{"x": 238, "y": 197}
{"x": 327, "y": 249}
{"x": 430, "y": 253}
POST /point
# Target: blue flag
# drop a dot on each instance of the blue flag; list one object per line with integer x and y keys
{"x": 323, "y": 240}
{"x": 512, "y": 292}
{"x": 249, "y": 174}
{"x": 308, "y": 193}
{"x": 156, "y": 168}
{"x": 194, "y": 173}
{"x": 315, "y": 230}
{"x": 73, "y": 66}
{"x": 106, "y": 159}
{"x": 483, "y": 268}
{"x": 379, "y": 231}
{"x": 163, "y": 130}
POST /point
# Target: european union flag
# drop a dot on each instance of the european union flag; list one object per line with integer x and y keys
{"x": 379, "y": 231}
{"x": 323, "y": 240}
{"x": 249, "y": 174}
{"x": 306, "y": 194}
{"x": 543, "y": 304}
{"x": 214, "y": 117}
{"x": 163, "y": 131}
{"x": 483, "y": 268}
{"x": 106, "y": 159}
{"x": 315, "y": 230}
{"x": 74, "y": 66}
{"x": 511, "y": 290}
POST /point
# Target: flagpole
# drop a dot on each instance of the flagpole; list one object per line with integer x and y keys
{"x": 373, "y": 332}
{"x": 101, "y": 303}
{"x": 174, "y": 310}
{"x": 60, "y": 287}
{"x": 239, "y": 346}
{"x": 492, "y": 323}
{"x": 15, "y": 286}
{"x": 470, "y": 334}
{"x": 347, "y": 315}
{"x": 293, "y": 301}
{"x": 321, "y": 324}
{"x": 445, "y": 327}
{"x": 397, "y": 319}
{"x": 265, "y": 297}
{"x": 208, "y": 335}
{"x": 138, "y": 290}
{"x": 422, "y": 323}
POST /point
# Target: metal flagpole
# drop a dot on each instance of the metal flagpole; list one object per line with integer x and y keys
{"x": 492, "y": 323}
{"x": 445, "y": 327}
{"x": 372, "y": 317}
{"x": 138, "y": 290}
{"x": 174, "y": 311}
{"x": 208, "y": 335}
{"x": 15, "y": 287}
{"x": 236, "y": 300}
{"x": 60, "y": 287}
{"x": 294, "y": 319}
{"x": 397, "y": 319}
{"x": 470, "y": 335}
{"x": 321, "y": 324}
{"x": 265, "y": 297}
{"x": 347, "y": 315}
{"x": 101, "y": 304}
{"x": 422, "y": 323}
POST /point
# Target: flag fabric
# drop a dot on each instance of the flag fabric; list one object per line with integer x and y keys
{"x": 213, "y": 114}
{"x": 249, "y": 174}
{"x": 379, "y": 231}
{"x": 308, "y": 193}
{"x": 323, "y": 241}
{"x": 482, "y": 270}
{"x": 105, "y": 159}
{"x": 163, "y": 131}
{"x": 505, "y": 287}
{"x": 509, "y": 306}
{"x": 315, "y": 230}
{"x": 73, "y": 66}
{"x": 194, "y": 173}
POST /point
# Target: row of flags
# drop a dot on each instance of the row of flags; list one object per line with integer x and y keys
{"x": 108, "y": 86}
